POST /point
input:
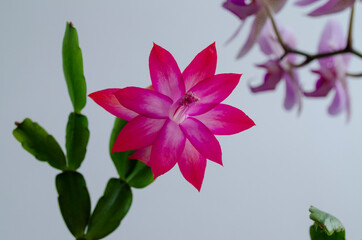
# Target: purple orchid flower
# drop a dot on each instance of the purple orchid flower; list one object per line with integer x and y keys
{"x": 175, "y": 120}
{"x": 332, "y": 72}
{"x": 279, "y": 69}
{"x": 331, "y": 6}
{"x": 244, "y": 9}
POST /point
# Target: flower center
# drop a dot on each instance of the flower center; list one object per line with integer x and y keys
{"x": 178, "y": 111}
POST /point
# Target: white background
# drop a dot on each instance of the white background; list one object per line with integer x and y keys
{"x": 272, "y": 173}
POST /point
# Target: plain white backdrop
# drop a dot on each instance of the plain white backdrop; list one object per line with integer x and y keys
{"x": 272, "y": 173}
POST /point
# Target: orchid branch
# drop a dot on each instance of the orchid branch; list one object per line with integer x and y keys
{"x": 311, "y": 57}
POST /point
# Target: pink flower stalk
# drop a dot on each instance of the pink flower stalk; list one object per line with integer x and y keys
{"x": 331, "y": 6}
{"x": 279, "y": 69}
{"x": 175, "y": 122}
{"x": 332, "y": 72}
{"x": 247, "y": 8}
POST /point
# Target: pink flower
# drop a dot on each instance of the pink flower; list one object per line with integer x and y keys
{"x": 331, "y": 6}
{"x": 332, "y": 72}
{"x": 176, "y": 122}
{"x": 278, "y": 70}
{"x": 246, "y": 8}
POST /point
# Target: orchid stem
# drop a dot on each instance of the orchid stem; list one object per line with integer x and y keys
{"x": 354, "y": 75}
{"x": 311, "y": 57}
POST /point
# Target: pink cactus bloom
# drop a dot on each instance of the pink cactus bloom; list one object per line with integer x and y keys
{"x": 332, "y": 72}
{"x": 278, "y": 70}
{"x": 331, "y": 6}
{"x": 175, "y": 122}
{"x": 247, "y": 8}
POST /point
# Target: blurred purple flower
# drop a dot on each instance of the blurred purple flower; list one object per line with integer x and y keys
{"x": 331, "y": 6}
{"x": 247, "y": 8}
{"x": 332, "y": 72}
{"x": 279, "y": 69}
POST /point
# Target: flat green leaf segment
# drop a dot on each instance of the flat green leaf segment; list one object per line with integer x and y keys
{"x": 39, "y": 143}
{"x": 74, "y": 201}
{"x": 110, "y": 209}
{"x": 325, "y": 226}
{"x": 77, "y": 136}
{"x": 73, "y": 68}
{"x": 134, "y": 172}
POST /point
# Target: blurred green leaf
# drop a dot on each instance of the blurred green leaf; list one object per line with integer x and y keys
{"x": 135, "y": 172}
{"x": 325, "y": 226}
{"x": 76, "y": 140}
{"x": 110, "y": 209}
{"x": 73, "y": 68}
{"x": 74, "y": 201}
{"x": 39, "y": 143}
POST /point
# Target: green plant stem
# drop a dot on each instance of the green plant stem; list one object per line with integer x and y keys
{"x": 311, "y": 57}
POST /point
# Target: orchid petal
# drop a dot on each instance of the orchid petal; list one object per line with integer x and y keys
{"x": 256, "y": 27}
{"x": 332, "y": 6}
{"x": 272, "y": 78}
{"x": 225, "y": 120}
{"x": 322, "y": 88}
{"x": 167, "y": 148}
{"x": 138, "y": 133}
{"x": 292, "y": 95}
{"x": 192, "y": 165}
{"x": 241, "y": 10}
{"x": 143, "y": 154}
{"x": 165, "y": 74}
{"x": 340, "y": 101}
{"x": 212, "y": 91}
{"x": 202, "y": 66}
{"x": 305, "y": 2}
{"x": 107, "y": 100}
{"x": 202, "y": 139}
{"x": 144, "y": 101}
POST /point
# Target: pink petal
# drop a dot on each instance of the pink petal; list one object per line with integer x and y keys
{"x": 167, "y": 148}
{"x": 202, "y": 139}
{"x": 225, "y": 120}
{"x": 340, "y": 101}
{"x": 272, "y": 78}
{"x": 192, "y": 165}
{"x": 292, "y": 95}
{"x": 212, "y": 91}
{"x": 305, "y": 2}
{"x": 138, "y": 133}
{"x": 241, "y": 10}
{"x": 237, "y": 31}
{"x": 165, "y": 74}
{"x": 332, "y": 6}
{"x": 144, "y": 101}
{"x": 203, "y": 66}
{"x": 106, "y": 99}
{"x": 143, "y": 154}
{"x": 323, "y": 87}
{"x": 256, "y": 27}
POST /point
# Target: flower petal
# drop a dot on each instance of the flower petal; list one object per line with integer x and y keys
{"x": 322, "y": 88}
{"x": 225, "y": 120}
{"x": 107, "y": 100}
{"x": 271, "y": 78}
{"x": 241, "y": 10}
{"x": 203, "y": 66}
{"x": 165, "y": 74}
{"x": 332, "y": 6}
{"x": 202, "y": 139}
{"x": 143, "y": 154}
{"x": 167, "y": 148}
{"x": 292, "y": 95}
{"x": 340, "y": 101}
{"x": 212, "y": 91}
{"x": 138, "y": 133}
{"x": 144, "y": 101}
{"x": 305, "y": 2}
{"x": 256, "y": 27}
{"x": 192, "y": 165}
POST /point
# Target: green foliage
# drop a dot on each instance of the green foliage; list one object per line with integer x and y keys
{"x": 73, "y": 68}
{"x": 110, "y": 209}
{"x": 74, "y": 201}
{"x": 77, "y": 137}
{"x": 326, "y": 226}
{"x": 135, "y": 172}
{"x": 39, "y": 143}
